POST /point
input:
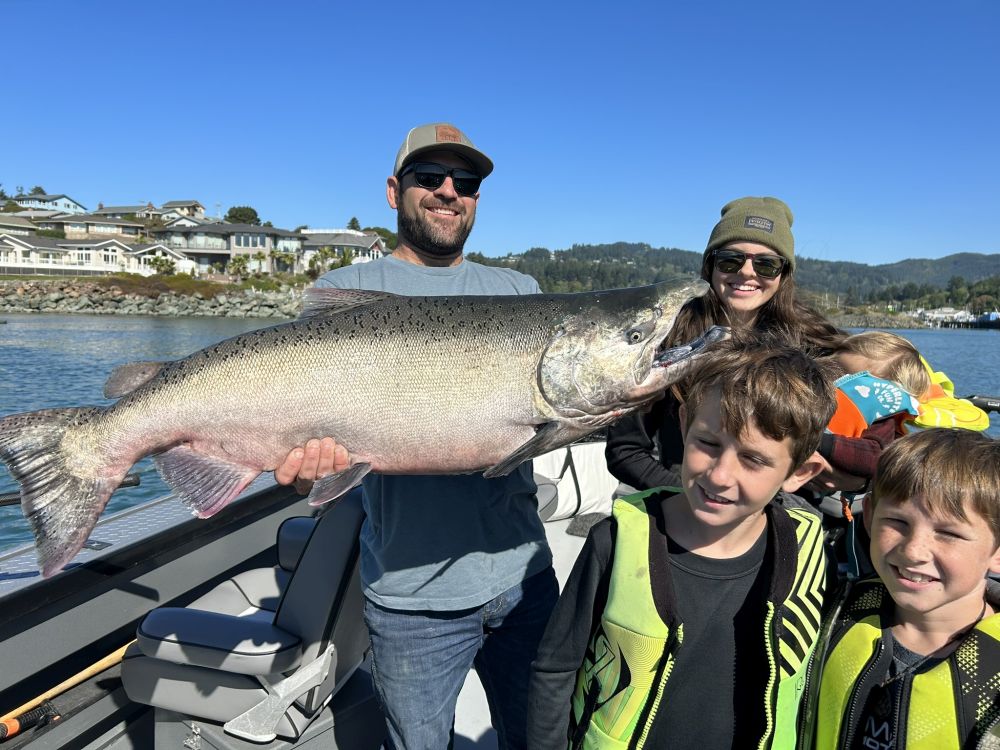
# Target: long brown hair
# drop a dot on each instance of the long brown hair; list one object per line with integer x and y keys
{"x": 783, "y": 317}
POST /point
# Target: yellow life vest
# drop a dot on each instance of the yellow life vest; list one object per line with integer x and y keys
{"x": 632, "y": 653}
{"x": 940, "y": 408}
{"x": 945, "y": 706}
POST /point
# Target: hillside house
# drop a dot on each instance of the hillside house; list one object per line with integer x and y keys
{"x": 364, "y": 246}
{"x": 24, "y": 255}
{"x": 16, "y": 225}
{"x": 217, "y": 242}
{"x": 59, "y": 202}
{"x": 89, "y": 226}
{"x": 184, "y": 208}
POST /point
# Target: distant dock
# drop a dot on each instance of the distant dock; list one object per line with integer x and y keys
{"x": 988, "y": 324}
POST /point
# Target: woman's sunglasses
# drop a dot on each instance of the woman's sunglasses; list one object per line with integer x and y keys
{"x": 731, "y": 261}
{"x": 431, "y": 176}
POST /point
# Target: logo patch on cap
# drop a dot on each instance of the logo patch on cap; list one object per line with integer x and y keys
{"x": 759, "y": 222}
{"x": 447, "y": 134}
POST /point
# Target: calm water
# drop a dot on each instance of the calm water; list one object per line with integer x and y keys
{"x": 63, "y": 360}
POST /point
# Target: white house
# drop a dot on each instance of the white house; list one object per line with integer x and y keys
{"x": 364, "y": 246}
{"x": 58, "y": 202}
{"x": 23, "y": 255}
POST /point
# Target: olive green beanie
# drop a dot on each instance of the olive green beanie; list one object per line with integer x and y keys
{"x": 766, "y": 221}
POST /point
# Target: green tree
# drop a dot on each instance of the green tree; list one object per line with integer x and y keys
{"x": 3, "y": 194}
{"x": 243, "y": 215}
{"x": 346, "y": 258}
{"x": 958, "y": 290}
{"x": 11, "y": 206}
{"x": 162, "y": 265}
{"x": 282, "y": 260}
{"x": 319, "y": 263}
{"x": 260, "y": 256}
{"x": 238, "y": 265}
{"x": 354, "y": 224}
{"x": 38, "y": 190}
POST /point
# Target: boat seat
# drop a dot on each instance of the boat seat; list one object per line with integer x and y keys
{"x": 266, "y": 650}
{"x": 256, "y": 592}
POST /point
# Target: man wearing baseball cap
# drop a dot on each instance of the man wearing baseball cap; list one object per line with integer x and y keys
{"x": 456, "y": 570}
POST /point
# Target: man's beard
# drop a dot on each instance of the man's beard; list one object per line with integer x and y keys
{"x": 422, "y": 235}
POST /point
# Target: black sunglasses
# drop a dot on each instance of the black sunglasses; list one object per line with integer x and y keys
{"x": 430, "y": 176}
{"x": 731, "y": 261}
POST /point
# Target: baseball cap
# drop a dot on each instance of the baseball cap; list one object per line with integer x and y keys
{"x": 441, "y": 136}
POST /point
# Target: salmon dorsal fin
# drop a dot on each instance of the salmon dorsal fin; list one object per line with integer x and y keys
{"x": 126, "y": 378}
{"x": 326, "y": 300}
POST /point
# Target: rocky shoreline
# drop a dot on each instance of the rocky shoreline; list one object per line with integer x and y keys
{"x": 94, "y": 299}
{"x": 62, "y": 296}
{"x": 875, "y": 320}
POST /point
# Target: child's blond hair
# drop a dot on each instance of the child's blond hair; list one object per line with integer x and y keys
{"x": 768, "y": 385}
{"x": 898, "y": 359}
{"x": 950, "y": 469}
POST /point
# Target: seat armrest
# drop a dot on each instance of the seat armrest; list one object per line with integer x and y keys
{"x": 217, "y": 641}
{"x": 292, "y": 537}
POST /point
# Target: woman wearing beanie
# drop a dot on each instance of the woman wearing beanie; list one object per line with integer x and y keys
{"x": 749, "y": 264}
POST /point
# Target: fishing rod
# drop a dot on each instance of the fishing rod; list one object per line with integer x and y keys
{"x": 14, "y": 498}
{"x": 986, "y": 403}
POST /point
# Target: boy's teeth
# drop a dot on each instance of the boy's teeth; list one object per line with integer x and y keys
{"x": 915, "y": 577}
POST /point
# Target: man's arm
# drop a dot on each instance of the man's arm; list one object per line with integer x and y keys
{"x": 852, "y": 461}
{"x": 567, "y": 636}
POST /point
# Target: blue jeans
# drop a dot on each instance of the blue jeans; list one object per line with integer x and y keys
{"x": 420, "y": 660}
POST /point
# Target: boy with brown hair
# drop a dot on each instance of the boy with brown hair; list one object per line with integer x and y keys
{"x": 913, "y": 655}
{"x": 691, "y": 613}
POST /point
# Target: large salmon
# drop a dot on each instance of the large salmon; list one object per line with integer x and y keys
{"x": 406, "y": 384}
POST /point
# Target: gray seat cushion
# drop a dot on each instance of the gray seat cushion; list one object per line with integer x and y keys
{"x": 245, "y": 645}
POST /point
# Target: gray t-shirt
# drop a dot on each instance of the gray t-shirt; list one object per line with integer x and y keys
{"x": 445, "y": 542}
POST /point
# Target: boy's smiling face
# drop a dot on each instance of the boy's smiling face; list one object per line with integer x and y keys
{"x": 728, "y": 481}
{"x": 933, "y": 565}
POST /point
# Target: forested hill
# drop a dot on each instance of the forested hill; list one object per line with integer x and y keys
{"x": 586, "y": 267}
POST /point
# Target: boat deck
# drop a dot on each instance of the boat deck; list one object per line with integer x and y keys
{"x": 18, "y": 570}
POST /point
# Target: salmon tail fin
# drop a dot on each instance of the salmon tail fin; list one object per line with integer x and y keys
{"x": 61, "y": 505}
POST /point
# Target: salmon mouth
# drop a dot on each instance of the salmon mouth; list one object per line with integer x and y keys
{"x": 675, "y": 354}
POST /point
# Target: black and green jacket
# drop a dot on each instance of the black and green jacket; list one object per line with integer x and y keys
{"x": 953, "y": 703}
{"x": 624, "y": 630}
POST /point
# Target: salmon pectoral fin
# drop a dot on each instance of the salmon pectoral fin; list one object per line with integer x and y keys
{"x": 206, "y": 484}
{"x": 333, "y": 486}
{"x": 549, "y": 436}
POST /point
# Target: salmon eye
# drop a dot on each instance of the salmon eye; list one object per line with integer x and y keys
{"x": 640, "y": 332}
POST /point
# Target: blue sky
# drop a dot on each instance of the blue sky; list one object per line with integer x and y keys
{"x": 628, "y": 121}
